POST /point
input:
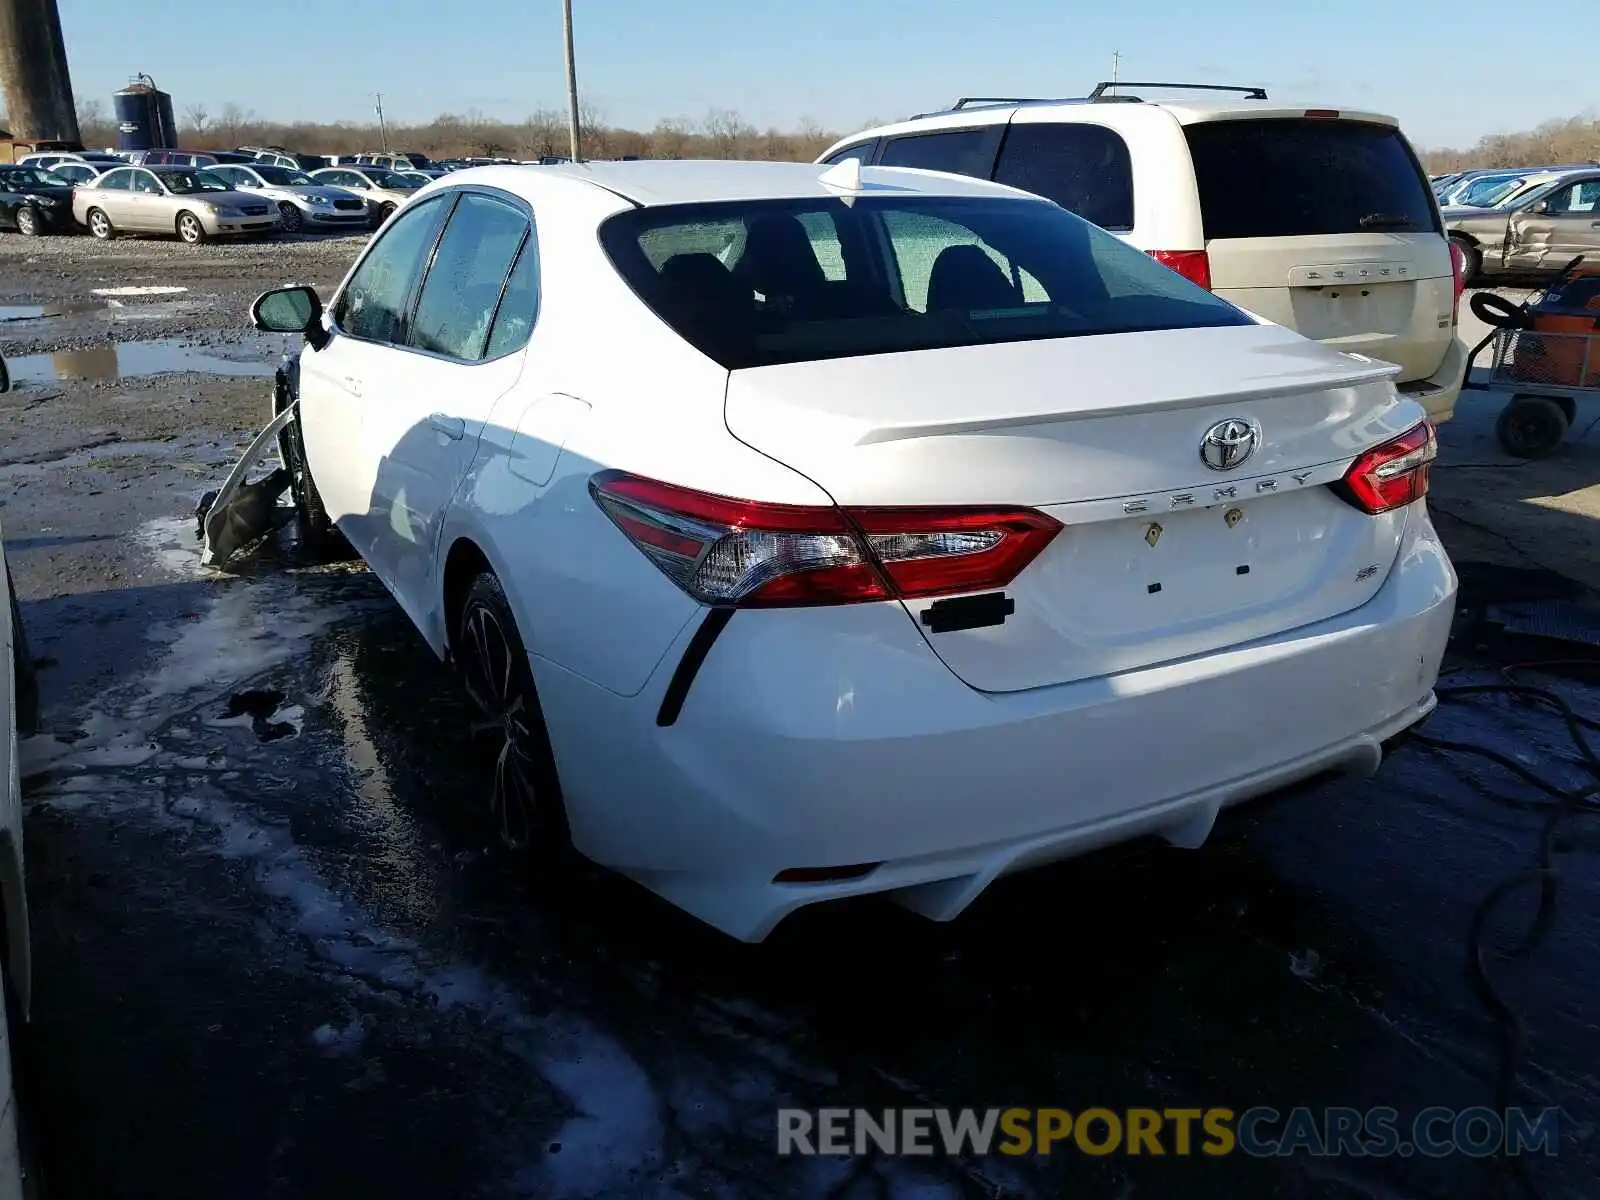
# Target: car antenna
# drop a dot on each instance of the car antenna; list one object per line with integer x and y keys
{"x": 844, "y": 176}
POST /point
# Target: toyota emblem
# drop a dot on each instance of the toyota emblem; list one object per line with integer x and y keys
{"x": 1228, "y": 444}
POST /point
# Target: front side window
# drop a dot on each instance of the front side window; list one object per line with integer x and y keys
{"x": 1084, "y": 168}
{"x": 850, "y": 153}
{"x": 958, "y": 152}
{"x": 757, "y": 283}
{"x": 373, "y": 305}
{"x": 1577, "y": 199}
{"x": 462, "y": 290}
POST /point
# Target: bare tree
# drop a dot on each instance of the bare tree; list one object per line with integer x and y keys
{"x": 593, "y": 130}
{"x": 723, "y": 128}
{"x": 197, "y": 116}
{"x": 232, "y": 121}
{"x": 672, "y": 137}
{"x": 542, "y": 133}
{"x": 93, "y": 127}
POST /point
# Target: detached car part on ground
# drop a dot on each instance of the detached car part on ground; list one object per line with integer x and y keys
{"x": 805, "y": 533}
{"x": 1547, "y": 353}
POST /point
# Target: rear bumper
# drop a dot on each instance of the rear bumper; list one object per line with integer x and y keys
{"x": 820, "y": 738}
{"x": 1439, "y": 392}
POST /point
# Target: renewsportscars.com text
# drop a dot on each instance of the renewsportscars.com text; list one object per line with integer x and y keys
{"x": 1260, "y": 1132}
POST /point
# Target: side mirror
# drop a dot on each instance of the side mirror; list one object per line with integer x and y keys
{"x": 1541, "y": 206}
{"x": 294, "y": 309}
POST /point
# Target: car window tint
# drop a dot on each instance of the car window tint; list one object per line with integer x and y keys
{"x": 462, "y": 289}
{"x": 143, "y": 181}
{"x": 373, "y": 304}
{"x": 920, "y": 273}
{"x": 117, "y": 181}
{"x": 1084, "y": 168}
{"x": 824, "y": 236}
{"x": 519, "y": 308}
{"x": 859, "y": 153}
{"x": 1293, "y": 178}
{"x": 960, "y": 152}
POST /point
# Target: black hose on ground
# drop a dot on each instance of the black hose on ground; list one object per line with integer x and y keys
{"x": 1565, "y": 803}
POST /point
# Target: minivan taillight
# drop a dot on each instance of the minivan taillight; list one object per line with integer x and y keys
{"x": 1193, "y": 265}
{"x": 1458, "y": 279}
{"x": 750, "y": 554}
{"x": 1392, "y": 475}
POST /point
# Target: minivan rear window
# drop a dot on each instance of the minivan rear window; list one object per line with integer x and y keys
{"x": 756, "y": 283}
{"x": 1290, "y": 178}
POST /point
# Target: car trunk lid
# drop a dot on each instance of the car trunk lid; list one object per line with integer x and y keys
{"x": 1161, "y": 556}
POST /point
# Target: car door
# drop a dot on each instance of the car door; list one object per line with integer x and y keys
{"x": 112, "y": 196}
{"x": 366, "y": 328}
{"x": 149, "y": 207}
{"x": 429, "y": 418}
{"x": 1550, "y": 232}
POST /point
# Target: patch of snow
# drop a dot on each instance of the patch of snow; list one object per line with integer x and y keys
{"x": 139, "y": 291}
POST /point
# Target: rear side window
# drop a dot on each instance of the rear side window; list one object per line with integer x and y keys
{"x": 1271, "y": 178}
{"x": 958, "y": 152}
{"x": 756, "y": 283}
{"x": 1084, "y": 168}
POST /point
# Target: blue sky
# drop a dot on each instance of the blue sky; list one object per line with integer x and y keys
{"x": 839, "y": 62}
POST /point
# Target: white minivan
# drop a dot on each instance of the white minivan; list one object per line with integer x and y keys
{"x": 1319, "y": 219}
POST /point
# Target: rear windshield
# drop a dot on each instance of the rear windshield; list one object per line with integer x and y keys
{"x": 755, "y": 283}
{"x": 1285, "y": 178}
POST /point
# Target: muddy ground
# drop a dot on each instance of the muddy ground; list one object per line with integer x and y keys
{"x": 279, "y": 955}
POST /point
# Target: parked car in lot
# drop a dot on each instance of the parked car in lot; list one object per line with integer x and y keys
{"x": 19, "y": 1165}
{"x": 302, "y": 201}
{"x": 382, "y": 189}
{"x": 48, "y": 161}
{"x": 1539, "y": 233}
{"x": 79, "y": 172}
{"x": 1320, "y": 219}
{"x": 193, "y": 204}
{"x": 803, "y": 533}
{"x": 34, "y": 202}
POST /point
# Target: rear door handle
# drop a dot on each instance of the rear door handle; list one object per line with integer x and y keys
{"x": 452, "y": 427}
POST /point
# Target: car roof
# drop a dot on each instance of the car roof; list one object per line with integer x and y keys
{"x": 1186, "y": 112}
{"x": 653, "y": 182}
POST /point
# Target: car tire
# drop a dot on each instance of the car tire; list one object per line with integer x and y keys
{"x": 23, "y": 670}
{"x": 293, "y": 222}
{"x": 190, "y": 231}
{"x": 29, "y": 222}
{"x": 100, "y": 225}
{"x": 1471, "y": 260}
{"x": 524, "y": 789}
{"x": 381, "y": 214}
{"x": 317, "y": 530}
{"x": 1531, "y": 426}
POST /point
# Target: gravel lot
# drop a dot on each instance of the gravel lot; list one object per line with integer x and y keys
{"x": 279, "y": 955}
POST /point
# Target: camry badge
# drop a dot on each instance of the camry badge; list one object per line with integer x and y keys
{"x": 1228, "y": 444}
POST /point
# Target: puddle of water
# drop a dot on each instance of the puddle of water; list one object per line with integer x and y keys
{"x": 133, "y": 360}
{"x": 114, "y": 310}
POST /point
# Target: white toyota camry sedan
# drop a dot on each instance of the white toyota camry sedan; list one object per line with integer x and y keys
{"x": 808, "y": 532}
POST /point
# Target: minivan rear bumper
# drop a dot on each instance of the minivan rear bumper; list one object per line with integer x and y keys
{"x": 1439, "y": 392}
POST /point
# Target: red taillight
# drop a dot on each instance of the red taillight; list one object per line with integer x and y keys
{"x": 750, "y": 554}
{"x": 1394, "y": 474}
{"x": 1193, "y": 265}
{"x": 1458, "y": 273}
{"x": 1323, "y": 114}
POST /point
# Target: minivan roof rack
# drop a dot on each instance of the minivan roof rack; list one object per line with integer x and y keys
{"x": 1250, "y": 93}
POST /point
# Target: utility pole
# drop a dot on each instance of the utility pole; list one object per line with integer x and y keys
{"x": 34, "y": 82}
{"x": 383, "y": 130}
{"x": 1116, "y": 62}
{"x": 573, "y": 133}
